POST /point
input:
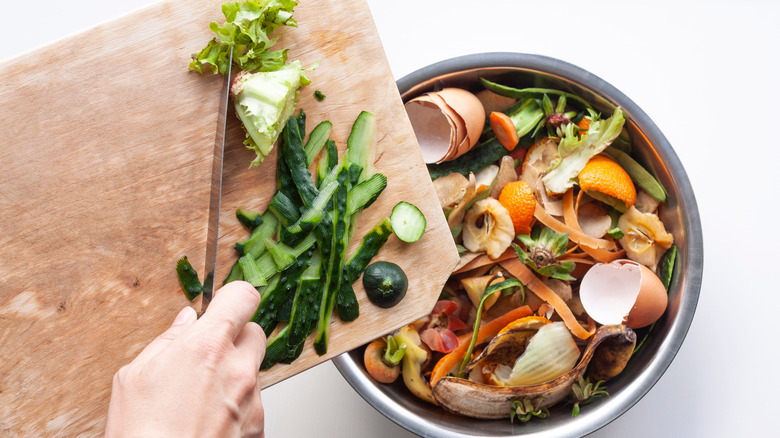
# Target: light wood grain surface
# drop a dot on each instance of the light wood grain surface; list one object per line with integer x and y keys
{"x": 104, "y": 184}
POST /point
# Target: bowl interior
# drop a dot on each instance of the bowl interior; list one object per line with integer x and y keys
{"x": 679, "y": 214}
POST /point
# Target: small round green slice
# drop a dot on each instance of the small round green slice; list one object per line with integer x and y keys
{"x": 408, "y": 222}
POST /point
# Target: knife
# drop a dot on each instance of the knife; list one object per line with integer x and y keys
{"x": 215, "y": 196}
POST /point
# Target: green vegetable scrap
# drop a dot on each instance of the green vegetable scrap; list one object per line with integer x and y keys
{"x": 524, "y": 410}
{"x": 584, "y": 392}
{"x": 318, "y": 95}
{"x": 542, "y": 252}
{"x": 188, "y": 279}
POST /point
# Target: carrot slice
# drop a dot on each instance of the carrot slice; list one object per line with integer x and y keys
{"x": 570, "y": 217}
{"x": 486, "y": 331}
{"x": 504, "y": 130}
{"x": 522, "y": 273}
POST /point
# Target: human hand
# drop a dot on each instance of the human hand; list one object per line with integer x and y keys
{"x": 198, "y": 378}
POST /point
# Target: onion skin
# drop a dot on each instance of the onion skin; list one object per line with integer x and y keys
{"x": 478, "y": 400}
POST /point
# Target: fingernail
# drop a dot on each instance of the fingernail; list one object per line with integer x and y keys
{"x": 184, "y": 316}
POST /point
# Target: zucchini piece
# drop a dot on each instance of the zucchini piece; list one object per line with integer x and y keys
{"x": 373, "y": 241}
{"x": 249, "y": 218}
{"x": 408, "y": 222}
{"x": 313, "y": 215}
{"x": 188, "y": 279}
{"x": 255, "y": 245}
{"x": 385, "y": 283}
{"x": 360, "y": 144}
{"x": 251, "y": 271}
{"x": 317, "y": 139}
{"x": 284, "y": 209}
{"x": 274, "y": 298}
{"x": 365, "y": 193}
{"x": 639, "y": 174}
{"x": 294, "y": 156}
{"x": 336, "y": 262}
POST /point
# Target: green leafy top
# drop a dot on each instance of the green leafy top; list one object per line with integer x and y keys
{"x": 248, "y": 28}
{"x": 542, "y": 254}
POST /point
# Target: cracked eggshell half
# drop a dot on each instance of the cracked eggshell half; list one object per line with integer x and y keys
{"x": 447, "y": 123}
{"x": 623, "y": 292}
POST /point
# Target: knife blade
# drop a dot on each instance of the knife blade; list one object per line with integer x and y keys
{"x": 215, "y": 197}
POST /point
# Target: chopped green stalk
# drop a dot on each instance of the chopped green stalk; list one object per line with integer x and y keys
{"x": 251, "y": 271}
{"x": 394, "y": 351}
{"x": 313, "y": 215}
{"x": 365, "y": 193}
{"x": 251, "y": 219}
{"x": 526, "y": 93}
{"x": 642, "y": 177}
{"x": 317, "y": 139}
{"x": 295, "y": 158}
{"x": 336, "y": 262}
{"x": 360, "y": 143}
{"x": 284, "y": 209}
{"x": 188, "y": 279}
{"x": 511, "y": 282}
{"x": 574, "y": 151}
{"x": 667, "y": 266}
{"x": 255, "y": 245}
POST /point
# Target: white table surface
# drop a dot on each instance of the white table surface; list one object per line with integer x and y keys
{"x": 706, "y": 72}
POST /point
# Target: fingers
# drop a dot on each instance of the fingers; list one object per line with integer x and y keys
{"x": 250, "y": 344}
{"x": 232, "y": 307}
{"x": 183, "y": 321}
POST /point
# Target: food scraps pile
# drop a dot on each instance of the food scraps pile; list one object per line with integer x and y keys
{"x": 563, "y": 254}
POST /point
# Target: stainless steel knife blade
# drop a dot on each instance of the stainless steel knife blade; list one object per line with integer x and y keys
{"x": 215, "y": 197}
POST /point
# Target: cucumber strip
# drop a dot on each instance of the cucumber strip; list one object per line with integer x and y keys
{"x": 333, "y": 155}
{"x": 322, "y": 167}
{"x": 313, "y": 215}
{"x": 408, "y": 222}
{"x": 267, "y": 311}
{"x": 235, "y": 274}
{"x": 354, "y": 173}
{"x": 346, "y": 302}
{"x": 639, "y": 174}
{"x": 284, "y": 209}
{"x": 365, "y": 193}
{"x": 336, "y": 262}
{"x": 188, "y": 279}
{"x": 317, "y": 139}
{"x": 251, "y": 271}
{"x": 280, "y": 253}
{"x": 276, "y": 349}
{"x": 255, "y": 245}
{"x": 251, "y": 219}
{"x": 272, "y": 283}
{"x": 305, "y": 309}
{"x": 301, "y": 119}
{"x": 525, "y": 93}
{"x": 360, "y": 143}
{"x": 293, "y": 154}
{"x": 284, "y": 181}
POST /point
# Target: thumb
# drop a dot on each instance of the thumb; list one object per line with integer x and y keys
{"x": 183, "y": 321}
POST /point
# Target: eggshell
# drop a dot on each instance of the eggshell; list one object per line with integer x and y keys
{"x": 651, "y": 302}
{"x": 468, "y": 106}
{"x": 623, "y": 292}
{"x": 456, "y": 120}
{"x": 608, "y": 291}
{"x": 431, "y": 127}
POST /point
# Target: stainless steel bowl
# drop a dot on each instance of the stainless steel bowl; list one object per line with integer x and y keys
{"x": 680, "y": 215}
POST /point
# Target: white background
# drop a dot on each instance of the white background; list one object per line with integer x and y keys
{"x": 706, "y": 72}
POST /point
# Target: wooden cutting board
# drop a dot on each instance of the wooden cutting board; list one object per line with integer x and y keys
{"x": 104, "y": 184}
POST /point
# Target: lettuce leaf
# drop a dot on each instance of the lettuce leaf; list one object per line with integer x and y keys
{"x": 574, "y": 150}
{"x": 248, "y": 28}
{"x": 264, "y": 101}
